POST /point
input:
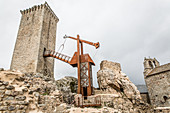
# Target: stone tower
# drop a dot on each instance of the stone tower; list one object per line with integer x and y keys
{"x": 37, "y": 32}
{"x": 149, "y": 65}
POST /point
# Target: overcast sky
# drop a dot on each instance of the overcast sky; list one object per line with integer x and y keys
{"x": 128, "y": 31}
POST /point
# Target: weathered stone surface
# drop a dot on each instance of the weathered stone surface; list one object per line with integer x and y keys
{"x": 2, "y": 92}
{"x": 5, "y": 83}
{"x": 21, "y": 107}
{"x": 25, "y": 89}
{"x": 3, "y": 108}
{"x": 8, "y": 92}
{"x": 11, "y": 108}
{"x": 27, "y": 86}
{"x": 8, "y": 98}
{"x": 117, "y": 91}
{"x": 112, "y": 80}
{"x": 20, "y": 79}
{"x": 20, "y": 98}
{"x": 30, "y": 44}
{"x": 10, "y": 87}
{"x": 157, "y": 79}
{"x": 6, "y": 112}
{"x": 41, "y": 105}
{"x": 22, "y": 102}
{"x": 47, "y": 79}
{"x": 21, "y": 111}
{"x": 16, "y": 96}
{"x": 1, "y": 69}
{"x": 6, "y": 103}
{"x": 13, "y": 102}
{"x": 2, "y": 87}
{"x": 61, "y": 108}
{"x": 105, "y": 110}
{"x": 68, "y": 86}
{"x": 36, "y": 94}
{"x": 15, "y": 93}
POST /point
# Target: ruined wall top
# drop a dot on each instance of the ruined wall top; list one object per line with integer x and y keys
{"x": 110, "y": 65}
{"x": 38, "y": 7}
{"x": 154, "y": 66}
{"x": 160, "y": 69}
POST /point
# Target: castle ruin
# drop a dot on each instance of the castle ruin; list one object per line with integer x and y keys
{"x": 37, "y": 32}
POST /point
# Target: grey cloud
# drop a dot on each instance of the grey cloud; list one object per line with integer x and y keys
{"x": 127, "y": 30}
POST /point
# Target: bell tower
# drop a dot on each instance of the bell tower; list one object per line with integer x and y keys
{"x": 37, "y": 32}
{"x": 149, "y": 65}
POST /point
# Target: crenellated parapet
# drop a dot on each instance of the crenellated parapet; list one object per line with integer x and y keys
{"x": 44, "y": 6}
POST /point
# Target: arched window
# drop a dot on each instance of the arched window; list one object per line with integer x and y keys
{"x": 156, "y": 63}
{"x": 150, "y": 64}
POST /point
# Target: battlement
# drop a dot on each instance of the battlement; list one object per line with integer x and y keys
{"x": 39, "y": 7}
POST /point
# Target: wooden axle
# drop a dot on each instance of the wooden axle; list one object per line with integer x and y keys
{"x": 97, "y": 45}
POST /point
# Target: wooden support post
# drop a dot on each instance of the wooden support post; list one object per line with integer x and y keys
{"x": 89, "y": 92}
{"x": 81, "y": 88}
{"x": 78, "y": 65}
{"x": 81, "y": 48}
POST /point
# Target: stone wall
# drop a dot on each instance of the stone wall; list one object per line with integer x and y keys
{"x": 157, "y": 80}
{"x": 145, "y": 97}
{"x": 27, "y": 93}
{"x": 160, "y": 69}
{"x": 68, "y": 87}
{"x": 162, "y": 110}
{"x": 37, "y": 31}
{"x": 158, "y": 89}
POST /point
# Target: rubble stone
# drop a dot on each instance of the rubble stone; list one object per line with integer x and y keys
{"x": 117, "y": 91}
{"x": 2, "y": 87}
{"x": 20, "y": 98}
{"x": 3, "y": 108}
{"x": 11, "y": 108}
{"x": 10, "y": 87}
{"x": 8, "y": 92}
{"x": 68, "y": 86}
{"x": 112, "y": 80}
{"x": 5, "y": 83}
{"x": 1, "y": 69}
{"x": 16, "y": 97}
{"x": 8, "y": 98}
{"x": 61, "y": 108}
{"x": 2, "y": 92}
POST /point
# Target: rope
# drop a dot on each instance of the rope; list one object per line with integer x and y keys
{"x": 62, "y": 45}
{"x": 95, "y": 53}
